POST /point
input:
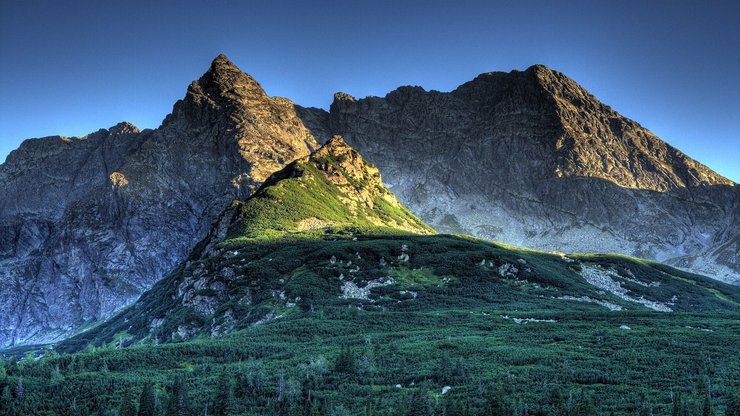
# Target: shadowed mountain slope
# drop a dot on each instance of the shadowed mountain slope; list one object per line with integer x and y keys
{"x": 530, "y": 158}
{"x": 325, "y": 233}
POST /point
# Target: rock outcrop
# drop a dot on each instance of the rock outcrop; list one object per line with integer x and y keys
{"x": 87, "y": 224}
{"x": 530, "y": 158}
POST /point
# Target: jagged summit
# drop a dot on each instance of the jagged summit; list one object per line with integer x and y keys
{"x": 585, "y": 137}
{"x": 343, "y": 96}
{"x": 226, "y": 75}
{"x": 222, "y": 62}
{"x": 259, "y": 132}
{"x": 225, "y": 81}
{"x": 335, "y": 145}
{"x": 333, "y": 187}
{"x": 224, "y": 93}
{"x": 124, "y": 127}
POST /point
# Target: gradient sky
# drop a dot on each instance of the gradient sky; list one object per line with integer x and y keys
{"x": 71, "y": 67}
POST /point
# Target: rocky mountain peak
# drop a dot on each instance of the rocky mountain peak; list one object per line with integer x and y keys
{"x": 223, "y": 62}
{"x": 346, "y": 169}
{"x": 580, "y": 135}
{"x": 223, "y": 91}
{"x": 343, "y": 96}
{"x": 340, "y": 165}
{"x": 342, "y": 100}
{"x": 596, "y": 141}
{"x": 138, "y": 202}
{"x": 123, "y": 127}
{"x": 336, "y": 147}
{"x": 226, "y": 79}
{"x": 256, "y": 133}
{"x": 333, "y": 187}
{"x": 542, "y": 71}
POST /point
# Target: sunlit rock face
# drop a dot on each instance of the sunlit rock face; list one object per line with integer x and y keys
{"x": 87, "y": 224}
{"x": 530, "y": 158}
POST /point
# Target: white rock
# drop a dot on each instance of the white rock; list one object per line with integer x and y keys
{"x": 604, "y": 279}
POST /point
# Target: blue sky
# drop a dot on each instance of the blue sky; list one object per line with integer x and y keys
{"x": 73, "y": 67}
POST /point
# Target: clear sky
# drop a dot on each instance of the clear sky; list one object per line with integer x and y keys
{"x": 72, "y": 67}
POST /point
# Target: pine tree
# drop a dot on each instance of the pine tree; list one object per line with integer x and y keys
{"x": 707, "y": 407}
{"x": 732, "y": 404}
{"x": 345, "y": 362}
{"x": 147, "y": 405}
{"x": 497, "y": 407}
{"x": 418, "y": 405}
{"x": 676, "y": 411}
{"x": 443, "y": 372}
{"x": 19, "y": 389}
{"x": 585, "y": 405}
{"x": 177, "y": 404}
{"x": 3, "y": 371}
{"x": 459, "y": 372}
{"x": 223, "y": 395}
{"x": 128, "y": 406}
{"x": 280, "y": 393}
{"x": 254, "y": 376}
{"x": 56, "y": 377}
{"x": 6, "y": 401}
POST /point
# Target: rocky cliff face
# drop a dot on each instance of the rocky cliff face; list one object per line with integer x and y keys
{"x": 530, "y": 158}
{"x": 527, "y": 158}
{"x": 87, "y": 224}
{"x": 324, "y": 234}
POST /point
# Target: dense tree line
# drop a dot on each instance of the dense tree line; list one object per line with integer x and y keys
{"x": 339, "y": 386}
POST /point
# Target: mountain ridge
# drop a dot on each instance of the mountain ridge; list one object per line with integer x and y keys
{"x": 86, "y": 225}
{"x": 325, "y": 233}
{"x": 527, "y": 168}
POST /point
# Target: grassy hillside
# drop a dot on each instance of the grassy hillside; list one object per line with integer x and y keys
{"x": 448, "y": 318}
{"x": 334, "y": 187}
{"x": 260, "y": 280}
{"x": 321, "y": 294}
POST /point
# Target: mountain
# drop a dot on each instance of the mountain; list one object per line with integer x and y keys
{"x": 322, "y": 294}
{"x": 87, "y": 224}
{"x": 325, "y": 232}
{"x": 530, "y": 158}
